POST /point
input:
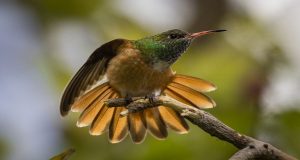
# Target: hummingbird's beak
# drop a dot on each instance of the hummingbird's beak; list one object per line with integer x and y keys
{"x": 199, "y": 34}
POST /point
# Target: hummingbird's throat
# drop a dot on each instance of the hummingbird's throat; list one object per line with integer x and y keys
{"x": 160, "y": 66}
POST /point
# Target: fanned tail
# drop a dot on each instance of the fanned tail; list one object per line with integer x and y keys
{"x": 186, "y": 89}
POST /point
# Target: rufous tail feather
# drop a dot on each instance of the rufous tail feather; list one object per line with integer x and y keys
{"x": 137, "y": 126}
{"x": 197, "y": 84}
{"x": 103, "y": 118}
{"x": 173, "y": 120}
{"x": 118, "y": 128}
{"x": 90, "y": 112}
{"x": 155, "y": 123}
{"x": 190, "y": 90}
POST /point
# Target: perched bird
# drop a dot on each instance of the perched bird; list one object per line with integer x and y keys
{"x": 125, "y": 68}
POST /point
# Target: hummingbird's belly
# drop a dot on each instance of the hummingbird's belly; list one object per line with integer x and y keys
{"x": 130, "y": 76}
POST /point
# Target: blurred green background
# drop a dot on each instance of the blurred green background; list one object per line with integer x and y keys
{"x": 254, "y": 64}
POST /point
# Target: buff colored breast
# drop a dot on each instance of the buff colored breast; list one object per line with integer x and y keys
{"x": 130, "y": 75}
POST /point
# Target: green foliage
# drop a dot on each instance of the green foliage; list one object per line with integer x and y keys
{"x": 57, "y": 9}
{"x": 3, "y": 148}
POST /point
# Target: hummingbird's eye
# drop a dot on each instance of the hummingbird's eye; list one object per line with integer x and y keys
{"x": 173, "y": 36}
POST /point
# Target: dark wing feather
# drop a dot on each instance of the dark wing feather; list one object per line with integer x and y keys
{"x": 92, "y": 71}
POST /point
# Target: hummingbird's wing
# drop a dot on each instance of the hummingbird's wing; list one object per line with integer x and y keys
{"x": 92, "y": 71}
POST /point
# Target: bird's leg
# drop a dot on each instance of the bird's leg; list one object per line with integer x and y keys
{"x": 150, "y": 97}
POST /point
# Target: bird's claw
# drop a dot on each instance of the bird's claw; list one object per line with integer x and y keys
{"x": 150, "y": 98}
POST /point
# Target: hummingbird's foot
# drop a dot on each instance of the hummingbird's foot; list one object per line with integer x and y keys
{"x": 151, "y": 98}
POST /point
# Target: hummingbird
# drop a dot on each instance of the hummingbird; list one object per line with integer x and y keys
{"x": 125, "y": 68}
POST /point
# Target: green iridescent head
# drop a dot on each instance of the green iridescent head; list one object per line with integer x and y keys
{"x": 167, "y": 47}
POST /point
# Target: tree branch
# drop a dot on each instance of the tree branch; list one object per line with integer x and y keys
{"x": 250, "y": 148}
